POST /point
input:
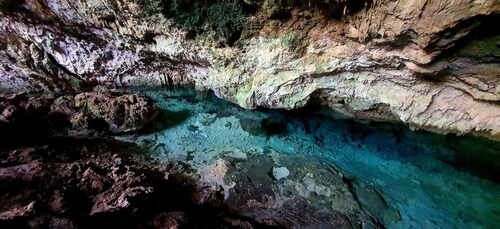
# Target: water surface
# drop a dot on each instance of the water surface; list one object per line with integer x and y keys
{"x": 430, "y": 180}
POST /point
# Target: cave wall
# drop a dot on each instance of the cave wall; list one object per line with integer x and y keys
{"x": 431, "y": 64}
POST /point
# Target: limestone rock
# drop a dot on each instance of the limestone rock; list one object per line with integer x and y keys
{"x": 303, "y": 200}
{"x": 280, "y": 173}
{"x": 88, "y": 110}
{"x": 429, "y": 64}
{"x": 123, "y": 113}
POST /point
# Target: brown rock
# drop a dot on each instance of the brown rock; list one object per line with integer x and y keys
{"x": 81, "y": 122}
{"x": 64, "y": 105}
{"x": 24, "y": 172}
{"x": 123, "y": 113}
{"x": 17, "y": 212}
{"x": 7, "y": 111}
{"x": 172, "y": 220}
{"x": 115, "y": 200}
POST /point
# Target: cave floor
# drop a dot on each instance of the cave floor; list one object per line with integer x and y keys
{"x": 400, "y": 178}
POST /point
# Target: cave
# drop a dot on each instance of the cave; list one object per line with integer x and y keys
{"x": 249, "y": 114}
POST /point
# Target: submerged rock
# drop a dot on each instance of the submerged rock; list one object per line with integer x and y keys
{"x": 313, "y": 195}
{"x": 265, "y": 126}
{"x": 280, "y": 173}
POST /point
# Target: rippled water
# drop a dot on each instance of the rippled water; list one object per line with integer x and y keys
{"x": 430, "y": 180}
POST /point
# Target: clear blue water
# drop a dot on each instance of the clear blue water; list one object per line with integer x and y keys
{"x": 432, "y": 181}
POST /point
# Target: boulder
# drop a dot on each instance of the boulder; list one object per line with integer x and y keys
{"x": 120, "y": 114}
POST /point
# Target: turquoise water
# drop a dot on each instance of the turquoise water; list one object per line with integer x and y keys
{"x": 430, "y": 180}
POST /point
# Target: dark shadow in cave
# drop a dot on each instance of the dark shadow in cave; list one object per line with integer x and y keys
{"x": 228, "y": 19}
{"x": 483, "y": 39}
{"x": 165, "y": 119}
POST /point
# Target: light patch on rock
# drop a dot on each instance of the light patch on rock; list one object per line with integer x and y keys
{"x": 280, "y": 173}
{"x": 309, "y": 186}
{"x": 213, "y": 175}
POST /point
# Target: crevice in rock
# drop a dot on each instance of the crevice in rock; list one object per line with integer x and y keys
{"x": 480, "y": 27}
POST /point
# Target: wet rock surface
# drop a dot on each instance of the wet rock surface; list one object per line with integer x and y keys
{"x": 312, "y": 195}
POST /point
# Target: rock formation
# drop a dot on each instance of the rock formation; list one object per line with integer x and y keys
{"x": 431, "y": 64}
{"x": 121, "y": 113}
{"x": 86, "y": 114}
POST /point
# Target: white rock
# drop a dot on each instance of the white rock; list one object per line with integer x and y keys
{"x": 280, "y": 172}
